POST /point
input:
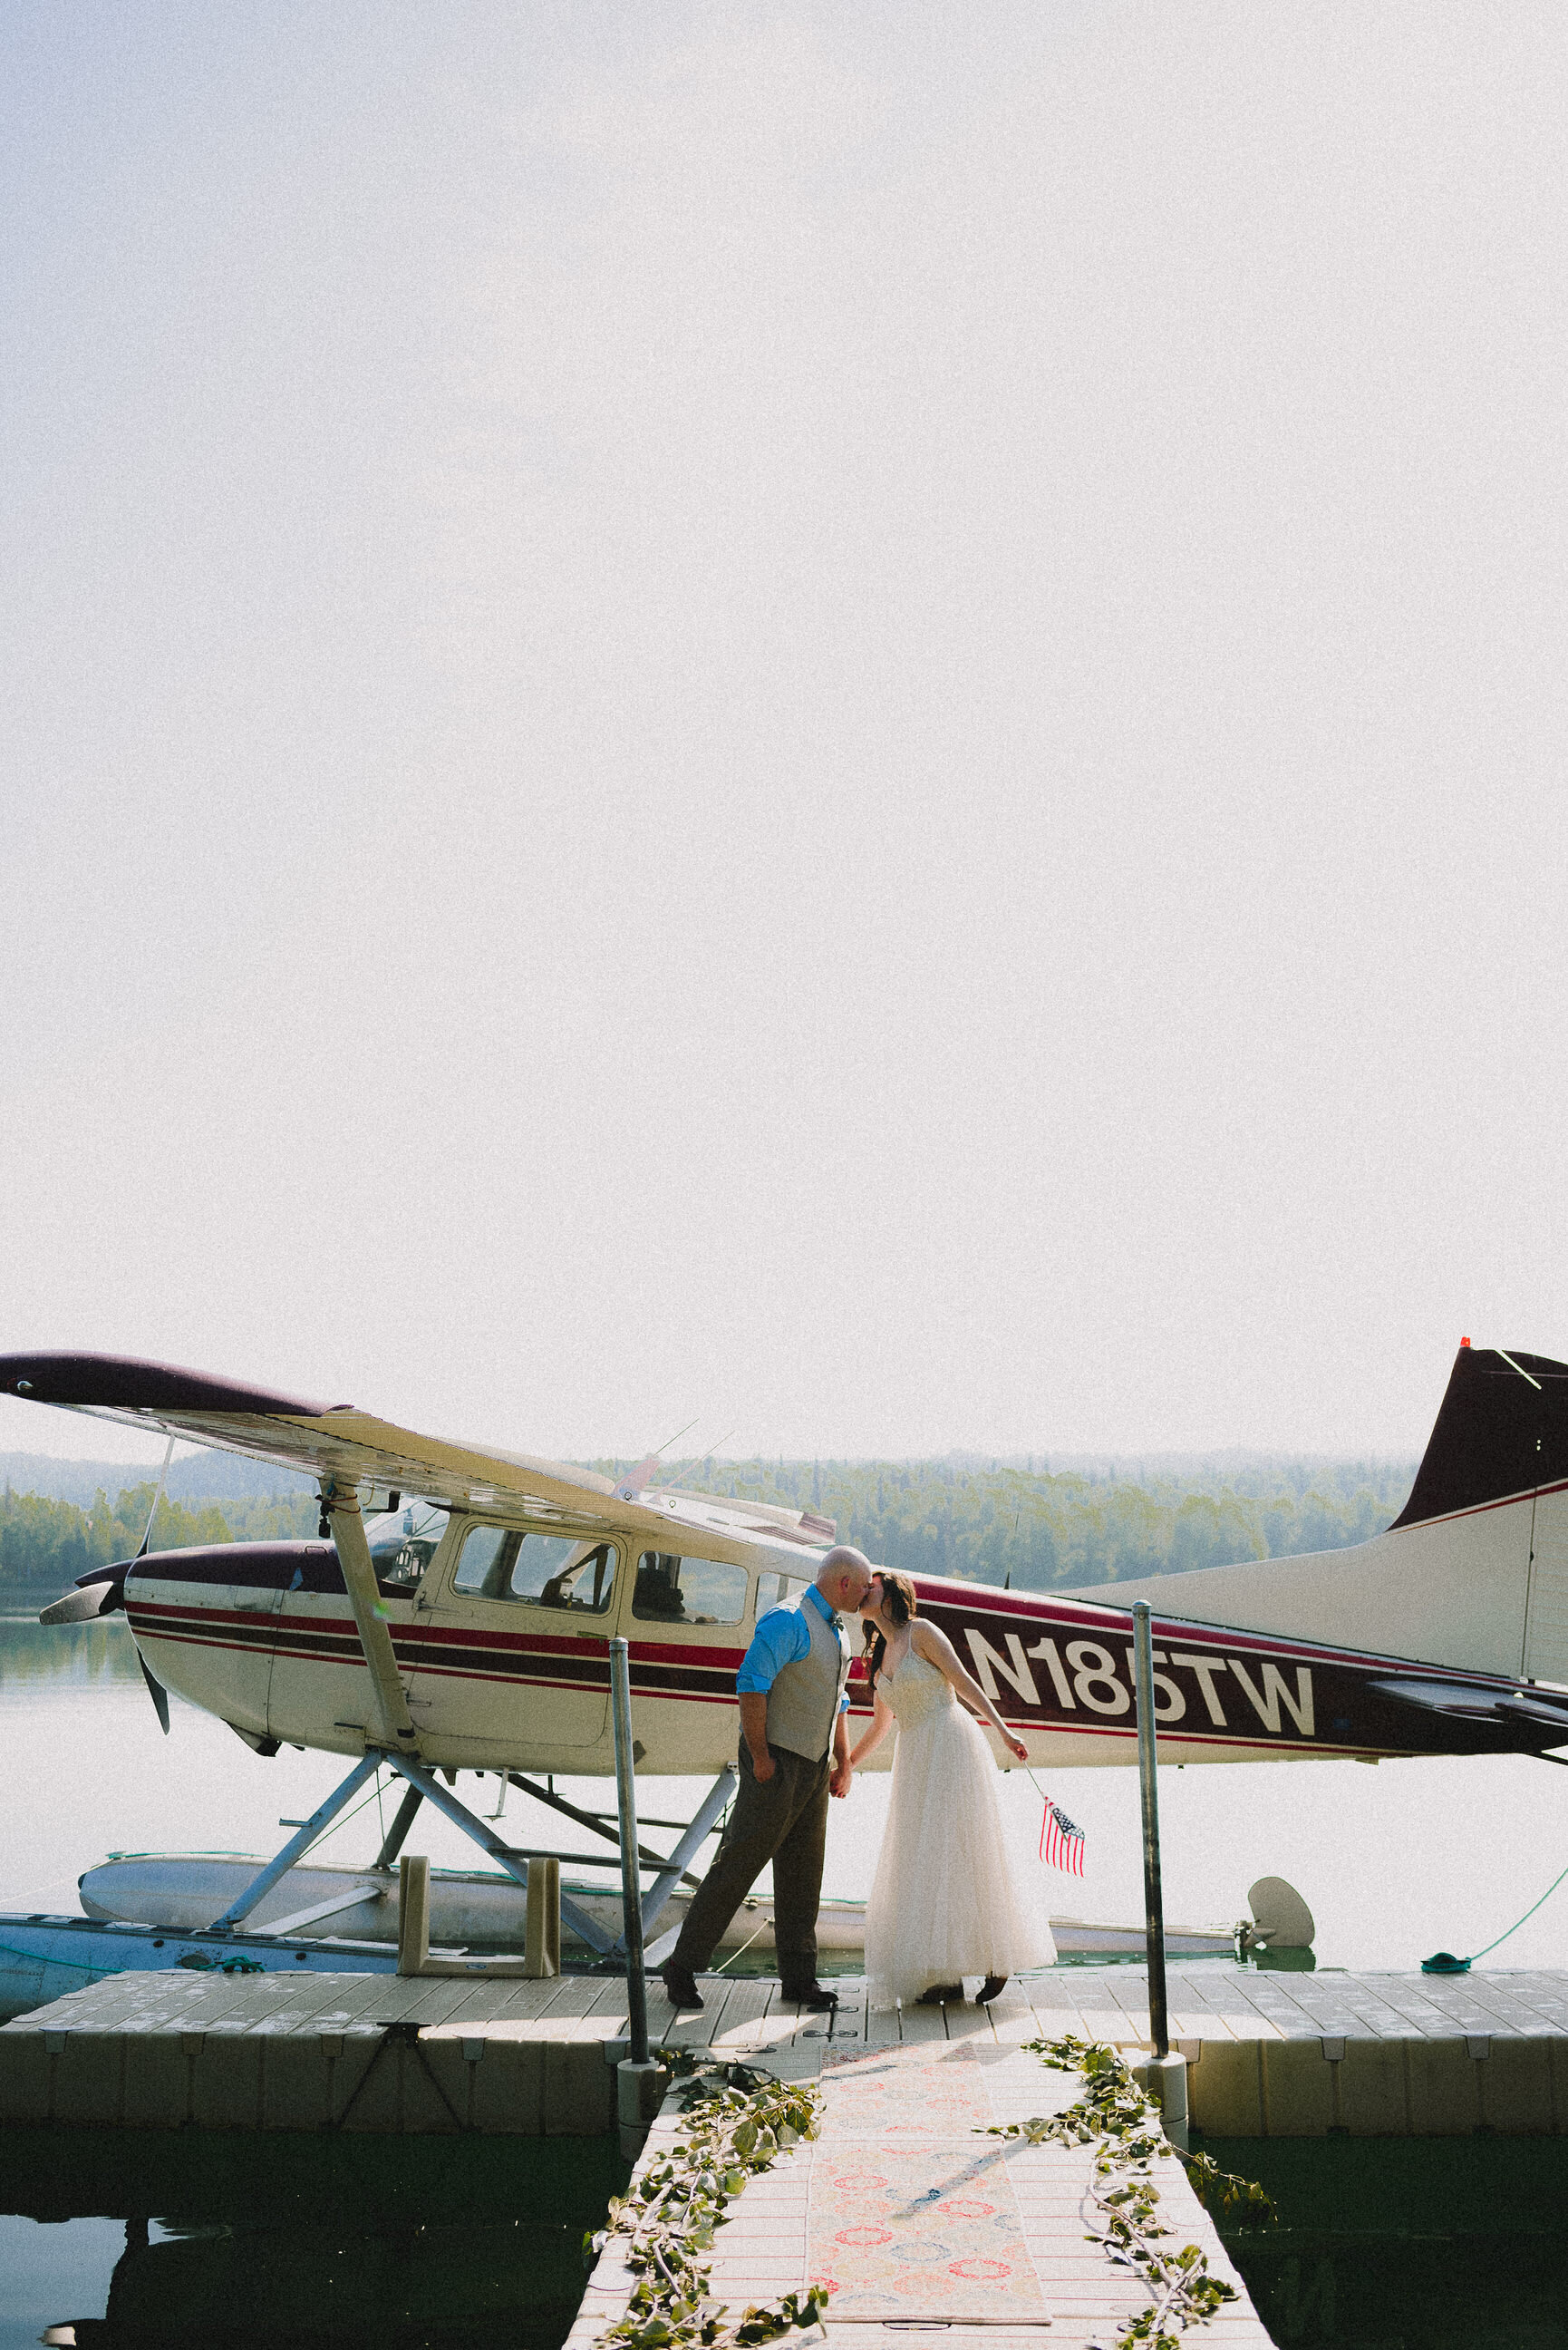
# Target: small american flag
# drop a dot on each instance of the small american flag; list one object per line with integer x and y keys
{"x": 1061, "y": 1843}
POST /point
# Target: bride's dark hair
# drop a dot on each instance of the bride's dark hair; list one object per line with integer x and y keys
{"x": 898, "y": 1599}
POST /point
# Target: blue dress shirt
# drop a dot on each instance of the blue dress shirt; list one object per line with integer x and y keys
{"x": 783, "y": 1637}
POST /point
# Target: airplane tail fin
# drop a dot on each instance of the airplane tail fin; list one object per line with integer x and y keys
{"x": 1473, "y": 1573}
{"x": 1501, "y": 1430}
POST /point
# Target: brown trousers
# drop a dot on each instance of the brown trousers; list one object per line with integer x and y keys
{"x": 782, "y": 1819}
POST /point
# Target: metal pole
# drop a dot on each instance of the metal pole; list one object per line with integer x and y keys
{"x": 630, "y": 1889}
{"x": 1148, "y": 1788}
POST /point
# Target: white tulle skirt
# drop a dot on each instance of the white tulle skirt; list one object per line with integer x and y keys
{"x": 949, "y": 1899}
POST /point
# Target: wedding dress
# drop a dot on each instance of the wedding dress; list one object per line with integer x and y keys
{"x": 945, "y": 1902}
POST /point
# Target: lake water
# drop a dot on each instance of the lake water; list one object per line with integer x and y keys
{"x": 1391, "y": 2243}
{"x": 131, "y": 2238}
{"x": 1394, "y": 1861}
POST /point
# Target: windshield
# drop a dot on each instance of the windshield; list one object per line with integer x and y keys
{"x": 403, "y": 1543}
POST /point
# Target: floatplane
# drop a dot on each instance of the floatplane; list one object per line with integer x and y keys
{"x": 455, "y": 1614}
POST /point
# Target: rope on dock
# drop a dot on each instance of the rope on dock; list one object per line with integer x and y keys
{"x": 1443, "y": 1963}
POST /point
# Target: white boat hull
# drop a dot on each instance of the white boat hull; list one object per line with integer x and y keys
{"x": 43, "y": 1958}
{"x": 476, "y": 1910}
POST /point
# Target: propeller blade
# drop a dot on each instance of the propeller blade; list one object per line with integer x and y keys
{"x": 156, "y": 1692}
{"x": 99, "y": 1593}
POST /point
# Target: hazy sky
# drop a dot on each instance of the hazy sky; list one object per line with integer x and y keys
{"x": 848, "y": 719}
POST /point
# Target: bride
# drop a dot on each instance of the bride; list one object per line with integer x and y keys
{"x": 943, "y": 1904}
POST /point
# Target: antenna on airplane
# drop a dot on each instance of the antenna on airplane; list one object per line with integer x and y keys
{"x": 157, "y": 1497}
{"x": 632, "y": 1483}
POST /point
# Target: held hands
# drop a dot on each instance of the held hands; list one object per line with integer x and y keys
{"x": 842, "y": 1773}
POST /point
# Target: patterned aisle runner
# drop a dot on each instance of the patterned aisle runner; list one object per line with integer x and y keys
{"x": 911, "y": 2215}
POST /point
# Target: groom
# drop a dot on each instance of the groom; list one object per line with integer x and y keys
{"x": 795, "y": 1754}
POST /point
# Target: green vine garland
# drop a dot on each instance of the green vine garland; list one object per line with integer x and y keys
{"x": 736, "y": 2120}
{"x": 1114, "y": 2115}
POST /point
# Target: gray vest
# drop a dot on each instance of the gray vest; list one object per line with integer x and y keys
{"x": 803, "y": 1703}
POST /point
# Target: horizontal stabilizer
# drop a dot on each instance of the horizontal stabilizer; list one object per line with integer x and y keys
{"x": 1460, "y": 1700}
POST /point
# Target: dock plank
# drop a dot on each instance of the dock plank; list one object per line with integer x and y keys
{"x": 966, "y": 2021}
{"x": 848, "y": 2020}
{"x": 735, "y": 2032}
{"x": 918, "y": 2024}
{"x": 882, "y": 2027}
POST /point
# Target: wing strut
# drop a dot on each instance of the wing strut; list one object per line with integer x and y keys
{"x": 505, "y": 1855}
{"x": 594, "y": 1822}
{"x": 341, "y": 1503}
{"x": 321, "y": 1819}
{"x": 422, "y": 1786}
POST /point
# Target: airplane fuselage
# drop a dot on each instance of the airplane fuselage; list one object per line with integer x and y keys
{"x": 262, "y": 1634}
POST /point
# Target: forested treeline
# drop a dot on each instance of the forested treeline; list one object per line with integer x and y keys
{"x": 930, "y": 1517}
{"x": 48, "y": 1541}
{"x": 1051, "y": 1533}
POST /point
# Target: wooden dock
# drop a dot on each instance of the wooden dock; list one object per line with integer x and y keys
{"x": 1268, "y": 2053}
{"x": 1274, "y": 2054}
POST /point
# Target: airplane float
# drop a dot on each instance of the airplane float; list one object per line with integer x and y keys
{"x": 456, "y": 1613}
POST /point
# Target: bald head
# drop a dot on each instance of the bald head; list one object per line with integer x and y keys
{"x": 844, "y": 1578}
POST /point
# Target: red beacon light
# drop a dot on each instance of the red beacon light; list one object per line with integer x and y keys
{"x": 1464, "y": 1342}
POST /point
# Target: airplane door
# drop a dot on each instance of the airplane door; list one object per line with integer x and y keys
{"x": 513, "y": 1652}
{"x": 691, "y": 1621}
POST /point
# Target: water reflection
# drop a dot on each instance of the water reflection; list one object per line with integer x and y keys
{"x": 65, "y": 1656}
{"x": 1454, "y": 2243}
{"x": 242, "y": 2240}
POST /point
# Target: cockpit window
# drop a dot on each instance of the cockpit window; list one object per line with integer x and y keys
{"x": 672, "y": 1590}
{"x": 789, "y": 1586}
{"x": 541, "y": 1570}
{"x": 402, "y": 1544}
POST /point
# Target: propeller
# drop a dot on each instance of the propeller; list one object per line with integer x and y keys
{"x": 156, "y": 1692}
{"x": 97, "y": 1594}
{"x": 102, "y": 1591}
{"x": 155, "y": 1689}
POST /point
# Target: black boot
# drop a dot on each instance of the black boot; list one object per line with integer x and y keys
{"x": 812, "y": 1996}
{"x": 681, "y": 1986}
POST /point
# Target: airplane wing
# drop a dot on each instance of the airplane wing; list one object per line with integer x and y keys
{"x": 337, "y": 1441}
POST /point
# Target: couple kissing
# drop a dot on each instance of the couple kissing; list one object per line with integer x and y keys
{"x": 944, "y": 1903}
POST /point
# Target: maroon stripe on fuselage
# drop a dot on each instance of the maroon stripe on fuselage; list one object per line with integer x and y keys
{"x": 274, "y": 1567}
{"x": 541, "y": 1660}
{"x": 651, "y": 1685}
{"x": 672, "y": 1652}
{"x": 1531, "y": 1493}
{"x": 1350, "y": 1717}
